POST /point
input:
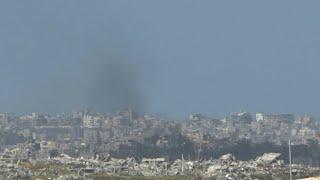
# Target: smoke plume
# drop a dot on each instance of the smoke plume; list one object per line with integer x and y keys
{"x": 114, "y": 83}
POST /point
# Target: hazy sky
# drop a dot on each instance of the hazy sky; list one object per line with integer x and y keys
{"x": 172, "y": 57}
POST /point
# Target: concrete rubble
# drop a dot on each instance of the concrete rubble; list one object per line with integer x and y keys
{"x": 267, "y": 165}
{"x": 268, "y": 158}
{"x": 226, "y": 167}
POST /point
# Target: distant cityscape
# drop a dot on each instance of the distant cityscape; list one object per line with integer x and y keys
{"x": 90, "y": 143}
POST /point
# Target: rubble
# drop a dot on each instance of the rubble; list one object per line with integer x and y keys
{"x": 226, "y": 167}
{"x": 310, "y": 178}
{"x": 227, "y": 157}
{"x": 268, "y": 158}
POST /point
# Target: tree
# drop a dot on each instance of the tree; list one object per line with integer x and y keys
{"x": 53, "y": 153}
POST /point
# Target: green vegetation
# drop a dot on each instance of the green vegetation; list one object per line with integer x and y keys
{"x": 54, "y": 153}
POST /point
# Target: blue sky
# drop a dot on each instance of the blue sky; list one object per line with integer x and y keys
{"x": 212, "y": 57}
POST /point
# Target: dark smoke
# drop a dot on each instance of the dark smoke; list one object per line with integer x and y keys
{"x": 114, "y": 83}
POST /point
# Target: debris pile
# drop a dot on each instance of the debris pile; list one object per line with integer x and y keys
{"x": 267, "y": 166}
